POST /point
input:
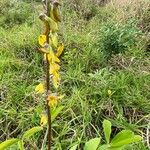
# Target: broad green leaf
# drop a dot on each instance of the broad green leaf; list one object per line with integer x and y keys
{"x": 92, "y": 144}
{"x": 56, "y": 112}
{"x": 8, "y": 143}
{"x": 127, "y": 141}
{"x": 74, "y": 147}
{"x": 31, "y": 132}
{"x": 107, "y": 147}
{"x": 103, "y": 147}
{"x": 124, "y": 134}
{"x": 21, "y": 145}
{"x": 107, "y": 130}
{"x": 116, "y": 148}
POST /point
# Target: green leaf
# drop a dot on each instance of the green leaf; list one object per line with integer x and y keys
{"x": 107, "y": 147}
{"x": 8, "y": 143}
{"x": 107, "y": 130}
{"x": 103, "y": 147}
{"x": 116, "y": 148}
{"x": 56, "y": 112}
{"x": 124, "y": 134}
{"x": 92, "y": 144}
{"x": 74, "y": 147}
{"x": 21, "y": 145}
{"x": 31, "y": 132}
{"x": 135, "y": 138}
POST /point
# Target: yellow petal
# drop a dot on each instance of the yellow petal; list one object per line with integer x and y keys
{"x": 49, "y": 57}
{"x": 40, "y": 88}
{"x": 43, "y": 50}
{"x": 52, "y": 100}
{"x": 54, "y": 68}
{"x": 42, "y": 40}
{"x": 56, "y": 79}
{"x": 60, "y": 50}
{"x": 43, "y": 120}
{"x": 53, "y": 57}
{"x": 56, "y": 59}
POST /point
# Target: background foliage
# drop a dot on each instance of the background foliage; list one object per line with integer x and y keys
{"x": 92, "y": 32}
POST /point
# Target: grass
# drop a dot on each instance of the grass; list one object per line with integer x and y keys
{"x": 86, "y": 76}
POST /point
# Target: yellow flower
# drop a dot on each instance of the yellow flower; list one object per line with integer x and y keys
{"x": 55, "y": 59}
{"x": 40, "y": 88}
{"x": 54, "y": 68}
{"x": 43, "y": 120}
{"x": 53, "y": 99}
{"x": 56, "y": 79}
{"x": 60, "y": 50}
{"x": 51, "y": 57}
{"x": 42, "y": 40}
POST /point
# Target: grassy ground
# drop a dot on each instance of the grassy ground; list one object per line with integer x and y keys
{"x": 106, "y": 48}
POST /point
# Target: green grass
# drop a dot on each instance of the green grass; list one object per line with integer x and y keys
{"x": 86, "y": 78}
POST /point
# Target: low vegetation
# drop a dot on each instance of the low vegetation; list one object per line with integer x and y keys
{"x": 105, "y": 72}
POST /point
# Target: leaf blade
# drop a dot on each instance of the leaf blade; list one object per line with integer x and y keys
{"x": 92, "y": 144}
{"x": 124, "y": 134}
{"x": 56, "y": 112}
{"x": 31, "y": 131}
{"x": 107, "y": 130}
{"x": 135, "y": 138}
{"x": 8, "y": 143}
{"x": 74, "y": 147}
{"x": 21, "y": 145}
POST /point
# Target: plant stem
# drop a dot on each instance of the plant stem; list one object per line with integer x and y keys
{"x": 49, "y": 136}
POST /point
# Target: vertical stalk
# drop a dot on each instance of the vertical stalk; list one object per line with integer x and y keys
{"x": 49, "y": 136}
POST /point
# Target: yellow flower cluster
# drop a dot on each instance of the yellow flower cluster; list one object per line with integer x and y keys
{"x": 53, "y": 57}
{"x": 52, "y": 50}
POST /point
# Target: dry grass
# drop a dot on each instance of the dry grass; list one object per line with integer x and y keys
{"x": 126, "y": 9}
